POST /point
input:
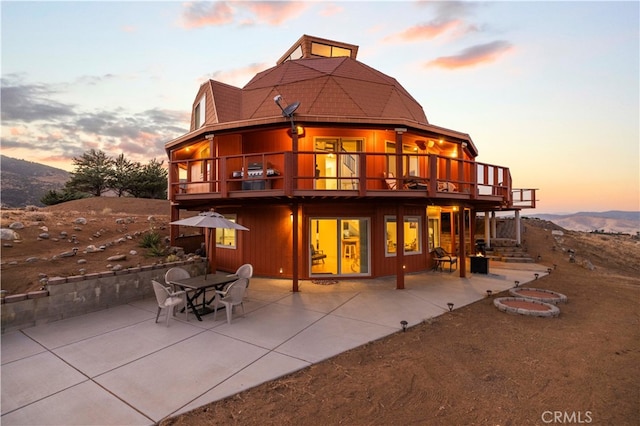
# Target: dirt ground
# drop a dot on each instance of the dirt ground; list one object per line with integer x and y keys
{"x": 473, "y": 366}
{"x": 117, "y": 223}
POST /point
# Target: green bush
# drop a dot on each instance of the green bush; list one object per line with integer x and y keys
{"x": 151, "y": 239}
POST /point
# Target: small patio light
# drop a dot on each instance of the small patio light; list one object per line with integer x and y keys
{"x": 489, "y": 293}
{"x": 548, "y": 270}
{"x": 403, "y": 323}
{"x": 450, "y": 305}
{"x": 517, "y": 283}
{"x": 555, "y": 266}
{"x": 536, "y": 275}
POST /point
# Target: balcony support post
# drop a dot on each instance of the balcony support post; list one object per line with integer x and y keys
{"x": 295, "y": 247}
{"x": 462, "y": 255}
{"x": 400, "y": 247}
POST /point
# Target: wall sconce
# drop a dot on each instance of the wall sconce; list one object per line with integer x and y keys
{"x": 299, "y": 129}
{"x": 281, "y": 270}
{"x": 463, "y": 144}
{"x": 209, "y": 136}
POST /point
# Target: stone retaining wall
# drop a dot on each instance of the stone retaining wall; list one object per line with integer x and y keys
{"x": 66, "y": 297}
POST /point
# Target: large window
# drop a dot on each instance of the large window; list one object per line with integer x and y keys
{"x": 434, "y": 227}
{"x": 337, "y": 163}
{"x": 226, "y": 238}
{"x": 339, "y": 246}
{"x": 412, "y": 235}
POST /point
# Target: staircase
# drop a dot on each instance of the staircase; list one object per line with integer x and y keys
{"x": 506, "y": 250}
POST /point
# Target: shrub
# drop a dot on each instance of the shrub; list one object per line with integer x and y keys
{"x": 150, "y": 240}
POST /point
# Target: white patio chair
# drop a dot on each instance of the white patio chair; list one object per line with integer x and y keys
{"x": 175, "y": 274}
{"x": 169, "y": 300}
{"x": 232, "y": 296}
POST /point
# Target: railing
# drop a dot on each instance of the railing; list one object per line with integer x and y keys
{"x": 352, "y": 174}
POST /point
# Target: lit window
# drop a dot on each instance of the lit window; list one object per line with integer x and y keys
{"x": 327, "y": 51}
{"x": 412, "y": 235}
{"x": 226, "y": 238}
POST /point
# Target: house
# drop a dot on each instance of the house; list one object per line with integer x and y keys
{"x": 334, "y": 168}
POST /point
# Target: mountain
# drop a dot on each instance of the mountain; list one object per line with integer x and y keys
{"x": 24, "y": 183}
{"x": 610, "y": 221}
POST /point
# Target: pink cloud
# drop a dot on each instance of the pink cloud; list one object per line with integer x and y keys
{"x": 201, "y": 14}
{"x": 129, "y": 29}
{"x": 425, "y": 31}
{"x": 239, "y": 76}
{"x": 473, "y": 56}
{"x": 275, "y": 12}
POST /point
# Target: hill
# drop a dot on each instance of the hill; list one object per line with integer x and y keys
{"x": 613, "y": 221}
{"x": 24, "y": 183}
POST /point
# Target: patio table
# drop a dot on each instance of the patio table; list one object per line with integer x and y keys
{"x": 198, "y": 286}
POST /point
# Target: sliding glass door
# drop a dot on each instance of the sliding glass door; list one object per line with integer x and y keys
{"x": 339, "y": 246}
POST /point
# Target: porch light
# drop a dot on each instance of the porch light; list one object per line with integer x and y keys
{"x": 281, "y": 270}
{"x": 404, "y": 324}
{"x": 450, "y": 305}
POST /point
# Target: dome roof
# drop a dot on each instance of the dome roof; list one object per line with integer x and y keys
{"x": 330, "y": 87}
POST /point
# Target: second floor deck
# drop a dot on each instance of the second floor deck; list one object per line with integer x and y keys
{"x": 343, "y": 175}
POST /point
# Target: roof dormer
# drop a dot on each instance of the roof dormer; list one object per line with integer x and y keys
{"x": 315, "y": 47}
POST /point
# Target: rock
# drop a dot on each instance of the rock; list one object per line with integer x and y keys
{"x": 81, "y": 261}
{"x": 120, "y": 221}
{"x": 117, "y": 257}
{"x": 117, "y": 268}
{"x": 94, "y": 249}
{"x": 133, "y": 252}
{"x": 63, "y": 234}
{"x": 80, "y": 221}
{"x": 7, "y": 245}
{"x": 32, "y": 259}
{"x": 44, "y": 236}
{"x": 8, "y": 234}
{"x": 16, "y": 225}
{"x": 44, "y": 229}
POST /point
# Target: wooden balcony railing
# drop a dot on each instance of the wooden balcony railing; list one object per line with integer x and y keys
{"x": 353, "y": 174}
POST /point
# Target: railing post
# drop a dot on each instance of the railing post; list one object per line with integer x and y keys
{"x": 433, "y": 174}
{"x": 288, "y": 174}
{"x": 362, "y": 175}
{"x": 223, "y": 178}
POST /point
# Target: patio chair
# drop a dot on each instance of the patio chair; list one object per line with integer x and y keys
{"x": 175, "y": 274}
{"x": 441, "y": 256}
{"x": 231, "y": 297}
{"x": 168, "y": 300}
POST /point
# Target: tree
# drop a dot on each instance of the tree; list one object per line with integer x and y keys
{"x": 149, "y": 181}
{"x": 53, "y": 197}
{"x": 121, "y": 178}
{"x": 93, "y": 174}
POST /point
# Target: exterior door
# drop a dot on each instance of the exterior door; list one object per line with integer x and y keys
{"x": 339, "y": 246}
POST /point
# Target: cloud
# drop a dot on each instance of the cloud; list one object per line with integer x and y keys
{"x": 37, "y": 124}
{"x": 237, "y": 77}
{"x": 474, "y": 55}
{"x": 203, "y": 14}
{"x": 425, "y": 31}
{"x": 29, "y": 102}
{"x": 243, "y": 13}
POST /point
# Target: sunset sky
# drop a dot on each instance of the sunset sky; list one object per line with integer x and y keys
{"x": 549, "y": 89}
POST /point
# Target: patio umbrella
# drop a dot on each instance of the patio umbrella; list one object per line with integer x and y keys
{"x": 210, "y": 221}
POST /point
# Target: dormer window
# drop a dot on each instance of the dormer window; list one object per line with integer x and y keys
{"x": 328, "y": 51}
{"x": 199, "y": 113}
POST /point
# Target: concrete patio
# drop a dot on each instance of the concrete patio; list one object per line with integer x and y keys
{"x": 118, "y": 367}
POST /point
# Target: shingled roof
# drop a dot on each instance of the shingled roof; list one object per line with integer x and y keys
{"x": 325, "y": 87}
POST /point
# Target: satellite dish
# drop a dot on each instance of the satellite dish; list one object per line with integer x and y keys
{"x": 290, "y": 109}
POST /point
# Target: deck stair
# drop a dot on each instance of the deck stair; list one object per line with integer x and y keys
{"x": 507, "y": 250}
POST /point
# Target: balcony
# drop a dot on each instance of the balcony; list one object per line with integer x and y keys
{"x": 344, "y": 175}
